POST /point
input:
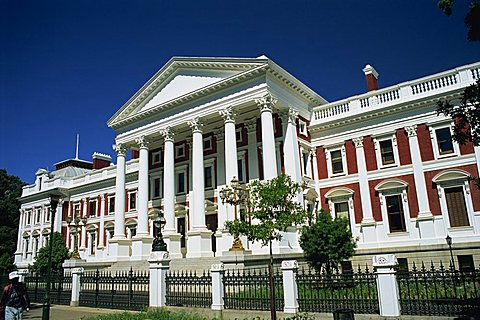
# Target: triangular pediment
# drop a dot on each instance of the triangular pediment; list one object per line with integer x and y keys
{"x": 182, "y": 78}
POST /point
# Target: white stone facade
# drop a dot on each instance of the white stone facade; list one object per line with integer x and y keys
{"x": 199, "y": 122}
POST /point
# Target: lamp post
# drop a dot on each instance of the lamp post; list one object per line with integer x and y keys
{"x": 449, "y": 243}
{"x": 234, "y": 195}
{"x": 158, "y": 243}
{"x": 75, "y": 223}
{"x": 55, "y": 196}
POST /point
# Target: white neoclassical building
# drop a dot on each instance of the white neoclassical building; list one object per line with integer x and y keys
{"x": 383, "y": 159}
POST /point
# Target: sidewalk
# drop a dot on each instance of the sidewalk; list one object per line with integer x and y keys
{"x": 59, "y": 312}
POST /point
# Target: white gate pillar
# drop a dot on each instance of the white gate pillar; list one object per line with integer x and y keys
{"x": 387, "y": 285}
{"x": 159, "y": 264}
{"x": 76, "y": 286}
{"x": 290, "y": 291}
{"x": 217, "y": 286}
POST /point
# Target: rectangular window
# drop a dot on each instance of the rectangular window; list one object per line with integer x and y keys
{"x": 306, "y": 158}
{"x": 402, "y": 265}
{"x": 207, "y": 144}
{"x": 111, "y": 205}
{"x": 208, "y": 177}
{"x": 156, "y": 157}
{"x": 444, "y": 141}
{"x": 156, "y": 187}
{"x": 132, "y": 201}
{"x": 302, "y": 127}
{"x": 38, "y": 214}
{"x": 181, "y": 182}
{"x": 241, "y": 176}
{"x": 180, "y": 151}
{"x": 386, "y": 151}
{"x": 396, "y": 219}
{"x": 92, "y": 243}
{"x": 93, "y": 208}
{"x": 457, "y": 209}
{"x": 465, "y": 263}
{"x": 337, "y": 161}
{"x": 47, "y": 214}
{"x": 76, "y": 210}
{"x": 238, "y": 135}
{"x": 181, "y": 230}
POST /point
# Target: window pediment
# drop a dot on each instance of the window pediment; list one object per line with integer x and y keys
{"x": 391, "y": 184}
{"x": 339, "y": 192}
{"x": 449, "y": 175}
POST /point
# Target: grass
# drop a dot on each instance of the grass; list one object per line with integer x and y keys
{"x": 149, "y": 315}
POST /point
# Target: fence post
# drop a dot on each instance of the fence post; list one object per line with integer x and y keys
{"x": 22, "y": 274}
{"x": 159, "y": 264}
{"x": 387, "y": 285}
{"x": 76, "y": 286}
{"x": 217, "y": 287}
{"x": 290, "y": 291}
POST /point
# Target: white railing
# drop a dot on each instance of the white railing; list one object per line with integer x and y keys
{"x": 401, "y": 93}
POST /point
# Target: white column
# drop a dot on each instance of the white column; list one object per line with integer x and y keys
{"x": 290, "y": 147}
{"x": 316, "y": 179}
{"x": 387, "y": 285}
{"x": 268, "y": 139}
{"x": 171, "y": 237}
{"x": 252, "y": 149}
{"x": 231, "y": 164}
{"x": 199, "y": 242}
{"x": 58, "y": 217}
{"x": 83, "y": 243}
{"x": 76, "y": 286}
{"x": 142, "y": 226}
{"x": 119, "y": 231}
{"x": 217, "y": 286}
{"x": 159, "y": 264}
{"x": 368, "y": 223}
{"x": 290, "y": 291}
{"x": 19, "y": 252}
{"x": 425, "y": 217}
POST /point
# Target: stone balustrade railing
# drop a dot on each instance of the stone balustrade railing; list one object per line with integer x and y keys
{"x": 404, "y": 92}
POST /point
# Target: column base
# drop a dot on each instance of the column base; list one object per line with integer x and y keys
{"x": 199, "y": 244}
{"x": 141, "y": 247}
{"x": 173, "y": 244}
{"x": 369, "y": 230}
{"x": 119, "y": 249}
{"x": 425, "y": 221}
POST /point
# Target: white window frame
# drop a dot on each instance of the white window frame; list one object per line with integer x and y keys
{"x": 110, "y": 198}
{"x": 303, "y": 131}
{"x": 154, "y": 154}
{"x": 239, "y": 138}
{"x": 433, "y": 135}
{"x": 46, "y": 214}
{"x": 92, "y": 246}
{"x": 394, "y": 187}
{"x": 328, "y": 156}
{"x": 306, "y": 168}
{"x": 210, "y": 140}
{"x": 131, "y": 224}
{"x": 455, "y": 178}
{"x": 342, "y": 194}
{"x": 241, "y": 157}
{"x": 130, "y": 192}
{"x": 378, "y": 151}
{"x": 38, "y": 215}
{"x": 210, "y": 163}
{"x": 153, "y": 176}
{"x": 178, "y": 170}
{"x": 96, "y": 207}
{"x": 177, "y": 151}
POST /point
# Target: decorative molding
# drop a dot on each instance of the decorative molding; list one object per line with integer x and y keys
{"x": 411, "y": 131}
{"x": 196, "y": 125}
{"x": 120, "y": 150}
{"x": 251, "y": 125}
{"x": 168, "y": 134}
{"x": 219, "y": 134}
{"x": 142, "y": 142}
{"x": 289, "y": 264}
{"x": 358, "y": 142}
{"x": 266, "y": 103}
{"x": 228, "y": 114}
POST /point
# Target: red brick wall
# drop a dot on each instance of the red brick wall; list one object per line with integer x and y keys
{"x": 425, "y": 142}
{"x": 375, "y": 200}
{"x": 403, "y": 147}
{"x": 466, "y": 148}
{"x": 351, "y": 157}
{"x": 369, "y": 150}
{"x": 135, "y": 153}
{"x": 357, "y": 202}
{"x": 321, "y": 163}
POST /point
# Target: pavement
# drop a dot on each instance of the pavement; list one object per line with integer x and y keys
{"x": 59, "y": 312}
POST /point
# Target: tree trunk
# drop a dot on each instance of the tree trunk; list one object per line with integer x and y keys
{"x": 273, "y": 313}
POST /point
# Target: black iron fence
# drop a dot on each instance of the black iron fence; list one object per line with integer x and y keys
{"x": 322, "y": 292}
{"x": 127, "y": 290}
{"x": 439, "y": 291}
{"x": 248, "y": 289}
{"x": 60, "y": 287}
{"x": 188, "y": 289}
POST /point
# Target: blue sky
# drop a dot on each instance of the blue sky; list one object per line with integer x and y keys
{"x": 67, "y": 66}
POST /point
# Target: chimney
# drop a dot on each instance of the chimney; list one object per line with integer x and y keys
{"x": 101, "y": 160}
{"x": 372, "y": 77}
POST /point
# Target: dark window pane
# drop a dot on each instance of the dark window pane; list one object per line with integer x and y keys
{"x": 465, "y": 263}
{"x": 133, "y": 201}
{"x": 240, "y": 170}
{"x": 181, "y": 182}
{"x": 111, "y": 204}
{"x": 396, "y": 219}
{"x": 444, "y": 140}
{"x": 208, "y": 177}
{"x": 337, "y": 163}
{"x": 156, "y": 188}
{"x": 386, "y": 150}
{"x": 457, "y": 210}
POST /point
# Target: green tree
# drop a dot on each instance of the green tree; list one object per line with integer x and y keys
{"x": 272, "y": 205}
{"x": 472, "y": 18}
{"x": 327, "y": 242}
{"x": 59, "y": 255}
{"x": 10, "y": 191}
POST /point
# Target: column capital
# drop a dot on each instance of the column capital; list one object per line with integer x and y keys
{"x": 228, "y": 114}
{"x": 196, "y": 125}
{"x": 168, "y": 134}
{"x": 411, "y": 131}
{"x": 358, "y": 142}
{"x": 266, "y": 103}
{"x": 290, "y": 115}
{"x": 313, "y": 152}
{"x": 219, "y": 134}
{"x": 251, "y": 125}
{"x": 142, "y": 142}
{"x": 120, "y": 150}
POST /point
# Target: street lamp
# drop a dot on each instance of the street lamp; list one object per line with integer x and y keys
{"x": 234, "y": 195}
{"x": 55, "y": 196}
{"x": 158, "y": 243}
{"x": 75, "y": 223}
{"x": 449, "y": 243}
